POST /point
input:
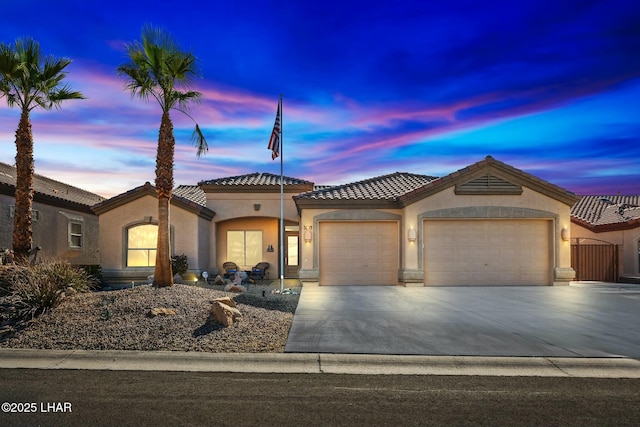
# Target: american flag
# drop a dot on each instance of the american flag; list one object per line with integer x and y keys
{"x": 274, "y": 141}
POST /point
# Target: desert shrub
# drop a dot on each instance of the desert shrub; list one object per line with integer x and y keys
{"x": 179, "y": 264}
{"x": 43, "y": 286}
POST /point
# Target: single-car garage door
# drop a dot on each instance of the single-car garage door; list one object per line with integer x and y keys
{"x": 487, "y": 252}
{"x": 359, "y": 253}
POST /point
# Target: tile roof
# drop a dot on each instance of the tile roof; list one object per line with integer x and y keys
{"x": 191, "y": 192}
{"x": 597, "y": 211}
{"x": 51, "y": 189}
{"x": 253, "y": 179}
{"x": 385, "y": 187}
{"x": 189, "y": 197}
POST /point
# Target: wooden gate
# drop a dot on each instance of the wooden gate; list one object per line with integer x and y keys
{"x": 597, "y": 262}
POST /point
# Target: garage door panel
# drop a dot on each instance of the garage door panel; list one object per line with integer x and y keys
{"x": 487, "y": 252}
{"x": 360, "y": 253}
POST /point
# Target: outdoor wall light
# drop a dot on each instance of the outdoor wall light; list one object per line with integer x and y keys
{"x": 564, "y": 234}
{"x": 307, "y": 233}
{"x": 256, "y": 206}
{"x": 270, "y": 248}
{"x": 412, "y": 234}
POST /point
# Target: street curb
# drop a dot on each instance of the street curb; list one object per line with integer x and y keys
{"x": 318, "y": 363}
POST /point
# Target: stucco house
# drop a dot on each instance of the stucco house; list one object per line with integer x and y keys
{"x": 64, "y": 226}
{"x": 486, "y": 224}
{"x": 605, "y": 234}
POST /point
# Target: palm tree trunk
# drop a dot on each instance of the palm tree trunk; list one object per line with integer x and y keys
{"x": 163, "y": 275}
{"x": 22, "y": 220}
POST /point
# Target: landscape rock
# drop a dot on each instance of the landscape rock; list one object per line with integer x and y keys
{"x": 232, "y": 287}
{"x": 225, "y": 300}
{"x": 225, "y": 314}
{"x": 161, "y": 312}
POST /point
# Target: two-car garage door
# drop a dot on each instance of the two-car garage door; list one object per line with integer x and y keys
{"x": 487, "y": 252}
{"x": 455, "y": 253}
{"x": 359, "y": 253}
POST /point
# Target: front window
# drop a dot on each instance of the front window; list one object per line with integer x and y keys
{"x": 75, "y": 235}
{"x": 141, "y": 245}
{"x": 244, "y": 247}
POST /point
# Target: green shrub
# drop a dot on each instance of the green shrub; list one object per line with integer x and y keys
{"x": 43, "y": 286}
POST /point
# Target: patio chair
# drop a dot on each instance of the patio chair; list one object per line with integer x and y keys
{"x": 230, "y": 268}
{"x": 259, "y": 271}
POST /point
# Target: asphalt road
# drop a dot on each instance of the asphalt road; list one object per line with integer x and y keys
{"x": 134, "y": 398}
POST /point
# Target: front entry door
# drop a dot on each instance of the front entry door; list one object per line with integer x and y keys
{"x": 291, "y": 253}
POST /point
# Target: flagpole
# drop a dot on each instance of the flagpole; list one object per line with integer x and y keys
{"x": 281, "y": 202}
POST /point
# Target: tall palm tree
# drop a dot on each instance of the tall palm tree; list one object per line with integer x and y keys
{"x": 29, "y": 80}
{"x": 159, "y": 69}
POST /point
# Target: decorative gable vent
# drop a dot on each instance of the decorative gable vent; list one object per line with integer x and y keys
{"x": 488, "y": 184}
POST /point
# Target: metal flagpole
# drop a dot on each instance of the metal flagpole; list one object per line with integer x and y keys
{"x": 281, "y": 202}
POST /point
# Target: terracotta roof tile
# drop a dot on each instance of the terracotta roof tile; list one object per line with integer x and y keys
{"x": 386, "y": 187}
{"x": 605, "y": 210}
{"x": 256, "y": 178}
{"x": 51, "y": 188}
{"x": 191, "y": 192}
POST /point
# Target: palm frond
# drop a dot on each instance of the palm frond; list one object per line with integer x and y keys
{"x": 199, "y": 141}
{"x": 29, "y": 80}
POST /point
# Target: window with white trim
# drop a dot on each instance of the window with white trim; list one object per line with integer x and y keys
{"x": 244, "y": 247}
{"x": 75, "y": 234}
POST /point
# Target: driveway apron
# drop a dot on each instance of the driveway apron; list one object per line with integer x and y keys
{"x": 582, "y": 320}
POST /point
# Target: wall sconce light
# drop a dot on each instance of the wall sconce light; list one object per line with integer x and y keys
{"x": 564, "y": 234}
{"x": 412, "y": 234}
{"x": 256, "y": 206}
{"x": 270, "y": 248}
{"x": 307, "y": 233}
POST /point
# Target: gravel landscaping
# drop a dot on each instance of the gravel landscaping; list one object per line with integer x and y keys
{"x": 120, "y": 320}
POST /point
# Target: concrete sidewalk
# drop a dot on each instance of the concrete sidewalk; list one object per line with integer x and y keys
{"x": 284, "y": 363}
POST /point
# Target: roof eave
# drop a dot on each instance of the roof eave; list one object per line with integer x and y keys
{"x": 602, "y": 228}
{"x": 345, "y": 203}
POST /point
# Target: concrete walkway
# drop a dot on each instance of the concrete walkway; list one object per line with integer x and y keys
{"x": 583, "y": 320}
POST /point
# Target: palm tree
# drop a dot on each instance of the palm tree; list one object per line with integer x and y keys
{"x": 29, "y": 80}
{"x": 159, "y": 69}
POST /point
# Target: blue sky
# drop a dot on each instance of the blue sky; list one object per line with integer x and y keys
{"x": 549, "y": 87}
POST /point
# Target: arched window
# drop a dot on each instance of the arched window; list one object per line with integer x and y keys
{"x": 141, "y": 245}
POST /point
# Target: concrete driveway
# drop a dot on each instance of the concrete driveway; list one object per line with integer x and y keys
{"x": 581, "y": 320}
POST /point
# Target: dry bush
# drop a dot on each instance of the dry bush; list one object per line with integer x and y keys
{"x": 37, "y": 288}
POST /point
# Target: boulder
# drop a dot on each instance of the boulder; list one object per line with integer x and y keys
{"x": 232, "y": 287}
{"x": 225, "y": 314}
{"x": 225, "y": 300}
{"x": 161, "y": 312}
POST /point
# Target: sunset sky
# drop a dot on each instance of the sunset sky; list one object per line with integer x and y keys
{"x": 369, "y": 88}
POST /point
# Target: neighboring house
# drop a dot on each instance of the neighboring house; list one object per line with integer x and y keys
{"x": 605, "y": 234}
{"x": 64, "y": 226}
{"x": 487, "y": 224}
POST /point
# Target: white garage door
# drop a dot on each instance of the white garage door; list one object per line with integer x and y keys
{"x": 487, "y": 252}
{"x": 359, "y": 253}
